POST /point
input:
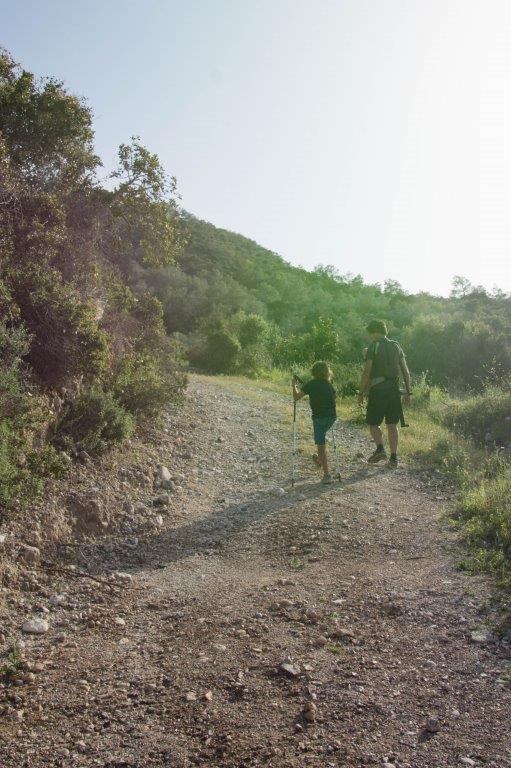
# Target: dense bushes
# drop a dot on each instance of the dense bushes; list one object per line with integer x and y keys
{"x": 484, "y": 513}
{"x": 221, "y": 350}
{"x": 457, "y": 352}
{"x": 460, "y": 340}
{"x": 237, "y": 345}
{"x": 23, "y": 469}
{"x": 485, "y": 417}
{"x": 76, "y": 327}
{"x": 144, "y": 384}
{"x": 93, "y": 421}
{"x": 66, "y": 340}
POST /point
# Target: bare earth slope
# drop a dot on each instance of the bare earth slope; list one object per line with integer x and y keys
{"x": 354, "y": 587}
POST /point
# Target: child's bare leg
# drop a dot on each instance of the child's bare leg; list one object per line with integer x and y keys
{"x": 322, "y": 458}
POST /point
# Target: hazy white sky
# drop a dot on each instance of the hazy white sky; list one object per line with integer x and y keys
{"x": 374, "y": 135}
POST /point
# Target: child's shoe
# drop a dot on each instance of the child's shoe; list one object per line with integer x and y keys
{"x": 327, "y": 479}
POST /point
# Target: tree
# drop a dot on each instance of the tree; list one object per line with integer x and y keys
{"x": 222, "y": 350}
{"x": 47, "y": 131}
{"x": 460, "y": 287}
{"x": 145, "y": 204}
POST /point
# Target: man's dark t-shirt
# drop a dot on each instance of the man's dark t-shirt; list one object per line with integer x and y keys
{"x": 321, "y": 398}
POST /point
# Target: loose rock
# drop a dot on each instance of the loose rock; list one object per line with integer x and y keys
{"x": 35, "y": 627}
{"x": 30, "y": 555}
{"x": 481, "y": 636}
{"x": 291, "y": 670}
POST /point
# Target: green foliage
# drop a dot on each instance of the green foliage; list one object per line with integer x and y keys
{"x": 484, "y": 515}
{"x": 75, "y": 313}
{"x": 23, "y": 469}
{"x": 451, "y": 457}
{"x": 12, "y": 666}
{"x": 461, "y": 340}
{"x": 485, "y": 417}
{"x": 93, "y": 422}
{"x": 251, "y": 329}
{"x": 145, "y": 384}
{"x": 255, "y": 336}
{"x": 145, "y": 206}
{"x": 458, "y": 350}
{"x": 346, "y": 379}
{"x": 222, "y": 350}
{"x": 66, "y": 340}
{"x": 48, "y": 132}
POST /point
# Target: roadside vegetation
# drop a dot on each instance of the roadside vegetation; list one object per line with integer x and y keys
{"x": 83, "y": 349}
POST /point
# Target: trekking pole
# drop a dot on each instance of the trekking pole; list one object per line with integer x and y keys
{"x": 293, "y": 470}
{"x": 402, "y": 419}
{"x": 336, "y": 453}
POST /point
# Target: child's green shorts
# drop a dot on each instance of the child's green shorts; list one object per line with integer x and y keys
{"x": 321, "y": 426}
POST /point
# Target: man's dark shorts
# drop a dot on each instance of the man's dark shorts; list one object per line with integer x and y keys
{"x": 383, "y": 402}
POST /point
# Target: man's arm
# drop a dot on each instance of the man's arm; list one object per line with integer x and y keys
{"x": 364, "y": 381}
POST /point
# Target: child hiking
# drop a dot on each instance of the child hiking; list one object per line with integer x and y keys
{"x": 322, "y": 402}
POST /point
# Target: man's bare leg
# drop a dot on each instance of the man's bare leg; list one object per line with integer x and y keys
{"x": 376, "y": 434}
{"x": 393, "y": 433}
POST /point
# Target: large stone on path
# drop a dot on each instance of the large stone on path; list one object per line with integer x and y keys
{"x": 165, "y": 478}
{"x": 481, "y": 636}
{"x": 35, "y": 627}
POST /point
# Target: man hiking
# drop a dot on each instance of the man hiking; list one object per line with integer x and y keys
{"x": 385, "y": 363}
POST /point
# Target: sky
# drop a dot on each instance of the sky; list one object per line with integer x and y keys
{"x": 374, "y": 135}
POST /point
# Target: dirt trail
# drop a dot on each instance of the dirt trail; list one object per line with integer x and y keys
{"x": 353, "y": 586}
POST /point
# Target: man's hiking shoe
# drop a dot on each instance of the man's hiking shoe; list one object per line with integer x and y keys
{"x": 327, "y": 480}
{"x": 392, "y": 462}
{"x": 377, "y": 456}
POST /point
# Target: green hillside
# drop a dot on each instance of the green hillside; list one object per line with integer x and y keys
{"x": 221, "y": 277}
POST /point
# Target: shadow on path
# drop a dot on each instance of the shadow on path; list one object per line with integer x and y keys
{"x": 212, "y": 532}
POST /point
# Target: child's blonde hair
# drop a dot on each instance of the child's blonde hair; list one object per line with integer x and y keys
{"x": 321, "y": 370}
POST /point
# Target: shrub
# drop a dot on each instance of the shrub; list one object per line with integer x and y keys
{"x": 484, "y": 514}
{"x": 250, "y": 329}
{"x": 485, "y": 418}
{"x": 221, "y": 351}
{"x": 66, "y": 341}
{"x": 22, "y": 469}
{"x": 93, "y": 422}
{"x": 145, "y": 384}
{"x": 346, "y": 379}
{"x": 451, "y": 457}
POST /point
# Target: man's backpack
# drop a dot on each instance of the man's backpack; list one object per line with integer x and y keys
{"x": 389, "y": 354}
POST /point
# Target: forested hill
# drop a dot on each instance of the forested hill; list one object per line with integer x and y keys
{"x": 239, "y": 306}
{"x": 228, "y": 272}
